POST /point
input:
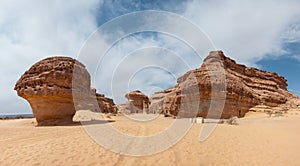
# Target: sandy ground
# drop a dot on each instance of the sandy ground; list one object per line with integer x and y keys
{"x": 257, "y": 140}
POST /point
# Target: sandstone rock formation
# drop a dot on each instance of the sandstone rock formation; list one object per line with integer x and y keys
{"x": 165, "y": 102}
{"x": 137, "y": 102}
{"x": 290, "y": 105}
{"x": 47, "y": 86}
{"x": 54, "y": 95}
{"x": 106, "y": 105}
{"x": 221, "y": 80}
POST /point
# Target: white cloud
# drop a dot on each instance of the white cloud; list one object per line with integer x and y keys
{"x": 292, "y": 33}
{"x": 143, "y": 62}
{"x": 32, "y": 30}
{"x": 146, "y": 48}
{"x": 246, "y": 30}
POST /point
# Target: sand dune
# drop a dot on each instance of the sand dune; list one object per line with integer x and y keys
{"x": 257, "y": 140}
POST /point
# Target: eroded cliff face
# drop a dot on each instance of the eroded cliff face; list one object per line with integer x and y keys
{"x": 222, "y": 87}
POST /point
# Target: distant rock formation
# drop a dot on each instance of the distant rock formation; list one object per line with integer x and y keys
{"x": 166, "y": 102}
{"x": 242, "y": 89}
{"x": 106, "y": 105}
{"x": 137, "y": 102}
{"x": 47, "y": 86}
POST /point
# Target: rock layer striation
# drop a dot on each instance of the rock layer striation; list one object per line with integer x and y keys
{"x": 221, "y": 88}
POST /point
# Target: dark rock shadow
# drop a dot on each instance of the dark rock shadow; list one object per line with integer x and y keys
{"x": 79, "y": 123}
{"x": 94, "y": 122}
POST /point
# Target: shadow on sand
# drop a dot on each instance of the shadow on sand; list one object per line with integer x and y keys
{"x": 81, "y": 123}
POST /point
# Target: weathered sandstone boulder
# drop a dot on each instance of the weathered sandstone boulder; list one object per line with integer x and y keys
{"x": 137, "y": 102}
{"x": 237, "y": 86}
{"x": 47, "y": 86}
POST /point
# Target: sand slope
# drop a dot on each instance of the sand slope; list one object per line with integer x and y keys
{"x": 257, "y": 140}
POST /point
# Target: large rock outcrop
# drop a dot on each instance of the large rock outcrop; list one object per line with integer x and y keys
{"x": 137, "y": 102}
{"x": 58, "y": 86}
{"x": 47, "y": 86}
{"x": 221, "y": 80}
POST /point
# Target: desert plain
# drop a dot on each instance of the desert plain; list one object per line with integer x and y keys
{"x": 257, "y": 139}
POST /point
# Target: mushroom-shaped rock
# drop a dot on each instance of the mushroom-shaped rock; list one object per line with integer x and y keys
{"x": 47, "y": 86}
{"x": 138, "y": 101}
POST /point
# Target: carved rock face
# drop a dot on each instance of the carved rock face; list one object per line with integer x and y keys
{"x": 245, "y": 87}
{"x": 47, "y": 86}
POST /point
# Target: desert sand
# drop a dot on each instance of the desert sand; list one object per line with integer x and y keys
{"x": 256, "y": 140}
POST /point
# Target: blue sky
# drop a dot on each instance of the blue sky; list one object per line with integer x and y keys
{"x": 286, "y": 65}
{"x": 263, "y": 34}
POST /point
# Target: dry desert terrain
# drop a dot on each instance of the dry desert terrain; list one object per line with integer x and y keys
{"x": 256, "y": 140}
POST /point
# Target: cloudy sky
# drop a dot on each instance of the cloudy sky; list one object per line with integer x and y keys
{"x": 262, "y": 33}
